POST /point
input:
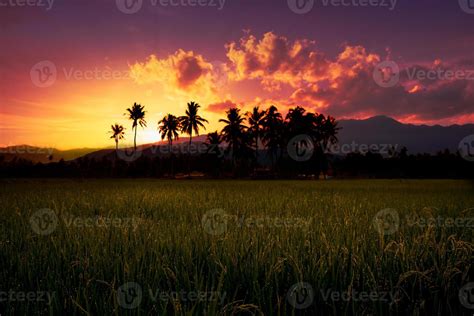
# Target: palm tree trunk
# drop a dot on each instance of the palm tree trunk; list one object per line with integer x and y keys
{"x": 135, "y": 140}
{"x": 116, "y": 147}
{"x": 172, "y": 158}
{"x": 189, "y": 153}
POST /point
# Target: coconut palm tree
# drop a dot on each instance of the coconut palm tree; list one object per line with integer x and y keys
{"x": 233, "y": 132}
{"x": 213, "y": 142}
{"x": 118, "y": 133}
{"x": 191, "y": 122}
{"x": 169, "y": 127}
{"x": 273, "y": 132}
{"x": 255, "y": 121}
{"x": 137, "y": 115}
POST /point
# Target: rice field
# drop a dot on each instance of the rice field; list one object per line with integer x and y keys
{"x": 157, "y": 247}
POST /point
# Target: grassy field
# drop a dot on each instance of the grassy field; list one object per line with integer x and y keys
{"x": 110, "y": 247}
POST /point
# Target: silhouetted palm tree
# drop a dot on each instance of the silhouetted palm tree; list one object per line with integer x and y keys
{"x": 273, "y": 132}
{"x": 213, "y": 141}
{"x": 118, "y": 133}
{"x": 255, "y": 120}
{"x": 137, "y": 115}
{"x": 191, "y": 122}
{"x": 233, "y": 132}
{"x": 169, "y": 127}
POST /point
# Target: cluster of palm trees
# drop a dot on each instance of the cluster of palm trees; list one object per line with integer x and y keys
{"x": 246, "y": 134}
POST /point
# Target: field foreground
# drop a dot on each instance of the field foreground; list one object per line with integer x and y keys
{"x": 110, "y": 247}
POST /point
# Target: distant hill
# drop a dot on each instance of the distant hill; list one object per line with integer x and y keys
{"x": 383, "y": 130}
{"x": 378, "y": 131}
{"x": 42, "y": 154}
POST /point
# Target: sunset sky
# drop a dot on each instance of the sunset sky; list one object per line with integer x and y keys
{"x": 247, "y": 53}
